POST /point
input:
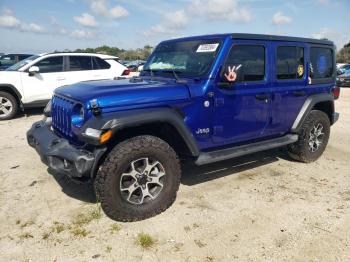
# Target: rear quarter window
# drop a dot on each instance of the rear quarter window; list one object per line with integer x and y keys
{"x": 321, "y": 63}
{"x": 100, "y": 64}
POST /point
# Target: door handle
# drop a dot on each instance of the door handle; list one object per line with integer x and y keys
{"x": 61, "y": 78}
{"x": 299, "y": 93}
{"x": 262, "y": 96}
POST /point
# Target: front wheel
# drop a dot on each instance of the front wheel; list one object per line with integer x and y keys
{"x": 8, "y": 106}
{"x": 313, "y": 138}
{"x": 139, "y": 179}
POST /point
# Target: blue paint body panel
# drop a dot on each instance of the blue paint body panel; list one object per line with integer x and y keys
{"x": 232, "y": 115}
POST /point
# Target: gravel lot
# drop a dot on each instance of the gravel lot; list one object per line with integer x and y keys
{"x": 262, "y": 207}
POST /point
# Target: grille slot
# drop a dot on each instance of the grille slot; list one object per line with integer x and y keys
{"x": 61, "y": 115}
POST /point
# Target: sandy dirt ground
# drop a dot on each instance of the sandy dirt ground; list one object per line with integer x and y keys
{"x": 263, "y": 207}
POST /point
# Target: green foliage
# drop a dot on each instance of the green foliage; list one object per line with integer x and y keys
{"x": 343, "y": 55}
{"x": 145, "y": 240}
{"x": 131, "y": 54}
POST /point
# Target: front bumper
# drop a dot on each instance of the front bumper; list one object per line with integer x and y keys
{"x": 59, "y": 155}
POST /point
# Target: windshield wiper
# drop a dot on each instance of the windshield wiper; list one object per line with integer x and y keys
{"x": 178, "y": 79}
{"x": 149, "y": 70}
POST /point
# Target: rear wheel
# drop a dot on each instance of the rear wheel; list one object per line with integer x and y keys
{"x": 313, "y": 138}
{"x": 139, "y": 179}
{"x": 8, "y": 106}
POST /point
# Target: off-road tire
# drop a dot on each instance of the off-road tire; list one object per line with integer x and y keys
{"x": 107, "y": 182}
{"x": 14, "y": 106}
{"x": 300, "y": 150}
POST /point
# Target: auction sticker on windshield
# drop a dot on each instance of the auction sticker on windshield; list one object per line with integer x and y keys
{"x": 207, "y": 48}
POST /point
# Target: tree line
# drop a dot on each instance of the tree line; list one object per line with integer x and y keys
{"x": 343, "y": 56}
{"x": 132, "y": 54}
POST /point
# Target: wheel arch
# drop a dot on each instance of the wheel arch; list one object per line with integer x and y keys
{"x": 13, "y": 91}
{"x": 322, "y": 102}
{"x": 165, "y": 123}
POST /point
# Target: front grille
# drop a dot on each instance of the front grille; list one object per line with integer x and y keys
{"x": 61, "y": 115}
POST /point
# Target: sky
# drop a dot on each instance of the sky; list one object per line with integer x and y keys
{"x": 36, "y": 26}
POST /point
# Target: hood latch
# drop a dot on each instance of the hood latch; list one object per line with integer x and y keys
{"x": 96, "y": 110}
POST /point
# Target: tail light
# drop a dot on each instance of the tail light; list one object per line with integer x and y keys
{"x": 336, "y": 92}
{"x": 126, "y": 72}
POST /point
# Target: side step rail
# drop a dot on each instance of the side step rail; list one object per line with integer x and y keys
{"x": 227, "y": 153}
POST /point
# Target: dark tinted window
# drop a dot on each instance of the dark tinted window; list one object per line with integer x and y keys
{"x": 99, "y": 63}
{"x": 250, "y": 59}
{"x": 8, "y": 59}
{"x": 290, "y": 62}
{"x": 22, "y": 57}
{"x": 321, "y": 63}
{"x": 79, "y": 63}
{"x": 51, "y": 64}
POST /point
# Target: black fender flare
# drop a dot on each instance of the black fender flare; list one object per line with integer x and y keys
{"x": 13, "y": 89}
{"x": 308, "y": 105}
{"x": 117, "y": 121}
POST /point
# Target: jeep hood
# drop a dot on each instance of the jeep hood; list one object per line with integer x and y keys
{"x": 117, "y": 93}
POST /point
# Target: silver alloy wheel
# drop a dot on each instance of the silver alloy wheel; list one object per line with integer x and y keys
{"x": 143, "y": 181}
{"x": 316, "y": 137}
{"x": 6, "y": 107}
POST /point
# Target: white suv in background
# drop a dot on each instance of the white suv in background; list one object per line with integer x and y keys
{"x": 31, "y": 82}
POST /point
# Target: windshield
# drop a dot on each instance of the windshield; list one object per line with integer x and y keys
{"x": 186, "y": 58}
{"x": 22, "y": 63}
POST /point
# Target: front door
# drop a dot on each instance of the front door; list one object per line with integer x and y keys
{"x": 242, "y": 109}
{"x": 40, "y": 86}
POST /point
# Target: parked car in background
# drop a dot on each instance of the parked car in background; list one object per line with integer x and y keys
{"x": 341, "y": 69}
{"x": 343, "y": 80}
{"x": 135, "y": 65}
{"x": 10, "y": 59}
{"x": 31, "y": 82}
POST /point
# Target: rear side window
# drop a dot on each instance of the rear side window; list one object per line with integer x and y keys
{"x": 51, "y": 64}
{"x": 321, "y": 63}
{"x": 290, "y": 62}
{"x": 250, "y": 61}
{"x": 80, "y": 63}
{"x": 99, "y": 64}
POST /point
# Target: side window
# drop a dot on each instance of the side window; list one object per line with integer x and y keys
{"x": 321, "y": 62}
{"x": 51, "y": 64}
{"x": 80, "y": 63}
{"x": 248, "y": 62}
{"x": 290, "y": 62}
{"x": 8, "y": 59}
{"x": 99, "y": 64}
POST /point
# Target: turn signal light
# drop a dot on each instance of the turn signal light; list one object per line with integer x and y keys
{"x": 105, "y": 136}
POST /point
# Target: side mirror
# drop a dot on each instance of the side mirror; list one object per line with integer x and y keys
{"x": 33, "y": 70}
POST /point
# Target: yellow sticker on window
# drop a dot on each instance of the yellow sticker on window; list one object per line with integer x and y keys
{"x": 300, "y": 70}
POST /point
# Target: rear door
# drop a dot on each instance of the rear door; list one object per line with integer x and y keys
{"x": 241, "y": 111}
{"x": 86, "y": 68}
{"x": 289, "y": 85}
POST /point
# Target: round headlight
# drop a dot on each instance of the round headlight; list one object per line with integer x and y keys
{"x": 78, "y": 115}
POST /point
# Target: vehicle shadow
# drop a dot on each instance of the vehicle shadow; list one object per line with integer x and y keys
{"x": 192, "y": 174}
{"x": 82, "y": 191}
{"x": 30, "y": 112}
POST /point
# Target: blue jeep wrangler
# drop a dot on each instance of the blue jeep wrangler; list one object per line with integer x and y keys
{"x": 206, "y": 98}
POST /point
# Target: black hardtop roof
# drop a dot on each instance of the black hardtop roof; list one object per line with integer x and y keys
{"x": 281, "y": 38}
